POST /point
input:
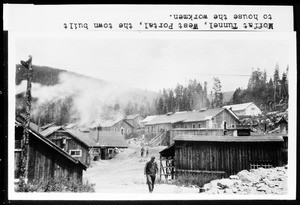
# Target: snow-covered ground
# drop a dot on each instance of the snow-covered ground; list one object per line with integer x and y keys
{"x": 125, "y": 174}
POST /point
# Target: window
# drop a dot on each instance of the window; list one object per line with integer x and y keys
{"x": 148, "y": 129}
{"x": 233, "y": 126}
{"x": 194, "y": 125}
{"x": 75, "y": 152}
{"x": 185, "y": 126}
{"x": 152, "y": 129}
{"x": 110, "y": 150}
{"x": 199, "y": 125}
{"x": 128, "y": 131}
{"x": 258, "y": 165}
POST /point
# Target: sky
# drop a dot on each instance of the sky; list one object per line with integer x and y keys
{"x": 157, "y": 63}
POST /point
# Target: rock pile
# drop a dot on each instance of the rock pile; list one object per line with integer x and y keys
{"x": 255, "y": 181}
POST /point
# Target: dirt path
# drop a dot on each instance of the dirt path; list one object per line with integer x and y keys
{"x": 125, "y": 174}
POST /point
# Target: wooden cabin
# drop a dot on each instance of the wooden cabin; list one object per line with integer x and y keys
{"x": 69, "y": 143}
{"x": 214, "y": 157}
{"x": 46, "y": 160}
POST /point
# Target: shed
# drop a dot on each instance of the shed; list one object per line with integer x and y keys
{"x": 45, "y": 159}
{"x": 220, "y": 156}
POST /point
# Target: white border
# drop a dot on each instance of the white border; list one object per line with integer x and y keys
{"x": 14, "y": 36}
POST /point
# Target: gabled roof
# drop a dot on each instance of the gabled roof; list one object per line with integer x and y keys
{"x": 148, "y": 118}
{"x": 110, "y": 123}
{"x": 131, "y": 117}
{"x": 49, "y": 130}
{"x": 193, "y": 116}
{"x": 106, "y": 138}
{"x": 52, "y": 145}
{"x": 212, "y": 138}
{"x": 83, "y": 137}
{"x": 281, "y": 120}
{"x": 237, "y": 107}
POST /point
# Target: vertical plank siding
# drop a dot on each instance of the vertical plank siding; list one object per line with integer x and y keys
{"x": 230, "y": 157}
{"x": 44, "y": 164}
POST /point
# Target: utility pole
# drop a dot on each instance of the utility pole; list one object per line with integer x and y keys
{"x": 25, "y": 138}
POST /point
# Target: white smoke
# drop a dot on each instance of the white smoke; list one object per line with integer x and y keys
{"x": 90, "y": 96}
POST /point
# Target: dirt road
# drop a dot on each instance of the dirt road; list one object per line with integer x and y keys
{"x": 125, "y": 174}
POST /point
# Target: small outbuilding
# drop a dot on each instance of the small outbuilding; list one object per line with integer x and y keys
{"x": 214, "y": 157}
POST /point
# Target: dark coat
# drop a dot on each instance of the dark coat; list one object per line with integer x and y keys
{"x": 151, "y": 168}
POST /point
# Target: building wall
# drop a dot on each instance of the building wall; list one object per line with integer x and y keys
{"x": 224, "y": 116}
{"x": 46, "y": 163}
{"x": 135, "y": 122}
{"x": 153, "y": 130}
{"x": 118, "y": 127}
{"x": 252, "y": 110}
{"x": 230, "y": 157}
{"x": 71, "y": 144}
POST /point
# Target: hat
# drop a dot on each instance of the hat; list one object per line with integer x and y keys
{"x": 152, "y": 157}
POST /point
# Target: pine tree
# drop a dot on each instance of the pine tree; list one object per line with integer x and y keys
{"x": 218, "y": 96}
{"x": 276, "y": 83}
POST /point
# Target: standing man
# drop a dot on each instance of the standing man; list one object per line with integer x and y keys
{"x": 147, "y": 151}
{"x": 150, "y": 172}
{"x": 142, "y": 151}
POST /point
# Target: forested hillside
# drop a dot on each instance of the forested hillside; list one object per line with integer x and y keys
{"x": 61, "y": 96}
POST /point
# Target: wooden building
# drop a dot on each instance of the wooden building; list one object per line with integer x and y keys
{"x": 45, "y": 159}
{"x": 220, "y": 156}
{"x": 210, "y": 118}
{"x": 134, "y": 120}
{"x": 69, "y": 143}
{"x": 119, "y": 125}
{"x": 102, "y": 144}
{"x": 244, "y": 109}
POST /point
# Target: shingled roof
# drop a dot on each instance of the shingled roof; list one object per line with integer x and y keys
{"x": 106, "y": 138}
